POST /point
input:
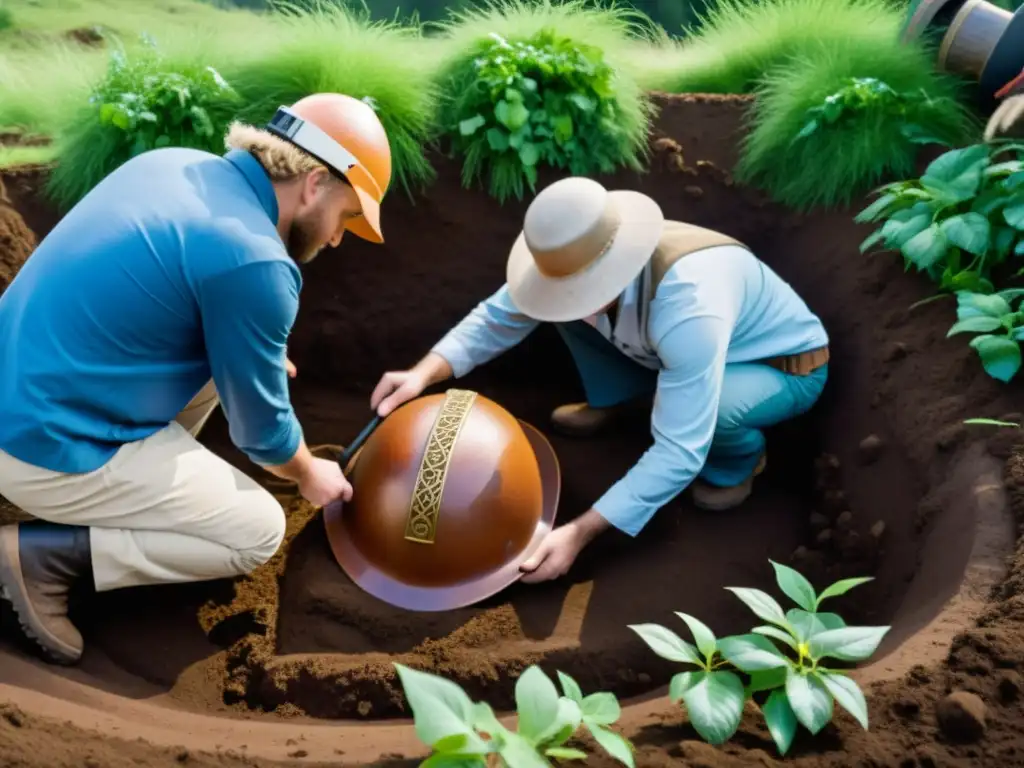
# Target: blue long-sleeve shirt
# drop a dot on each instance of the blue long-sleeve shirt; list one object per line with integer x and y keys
{"x": 168, "y": 272}
{"x": 716, "y": 306}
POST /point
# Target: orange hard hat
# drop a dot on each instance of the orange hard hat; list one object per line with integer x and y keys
{"x": 346, "y": 135}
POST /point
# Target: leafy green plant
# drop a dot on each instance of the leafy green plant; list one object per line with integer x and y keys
{"x": 165, "y": 108}
{"x": 145, "y": 101}
{"x": 467, "y": 734}
{"x": 1001, "y": 329}
{"x": 547, "y": 99}
{"x": 961, "y": 219}
{"x": 800, "y": 689}
{"x": 6, "y": 18}
{"x": 869, "y": 95}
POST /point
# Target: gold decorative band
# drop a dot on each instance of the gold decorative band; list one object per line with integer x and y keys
{"x": 425, "y": 505}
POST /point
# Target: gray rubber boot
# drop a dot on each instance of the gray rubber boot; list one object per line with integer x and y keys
{"x": 39, "y": 563}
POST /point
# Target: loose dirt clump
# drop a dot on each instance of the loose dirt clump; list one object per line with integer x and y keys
{"x": 865, "y": 484}
{"x": 17, "y": 241}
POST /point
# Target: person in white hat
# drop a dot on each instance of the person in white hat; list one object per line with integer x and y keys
{"x": 645, "y": 305}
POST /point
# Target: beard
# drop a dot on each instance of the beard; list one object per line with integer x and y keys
{"x": 302, "y": 242}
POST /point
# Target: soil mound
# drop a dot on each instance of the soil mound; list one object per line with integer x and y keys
{"x": 17, "y": 241}
{"x": 869, "y": 483}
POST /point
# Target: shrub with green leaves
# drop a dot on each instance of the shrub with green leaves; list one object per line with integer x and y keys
{"x": 960, "y": 220}
{"x": 868, "y": 96}
{"x": 144, "y": 102}
{"x": 1001, "y": 329}
{"x": 548, "y": 100}
{"x": 527, "y": 83}
{"x": 800, "y": 689}
{"x": 867, "y": 141}
{"x": 467, "y": 734}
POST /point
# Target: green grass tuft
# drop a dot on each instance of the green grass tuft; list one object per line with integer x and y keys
{"x": 740, "y": 42}
{"x": 329, "y": 48}
{"x": 570, "y": 103}
{"x": 842, "y": 161}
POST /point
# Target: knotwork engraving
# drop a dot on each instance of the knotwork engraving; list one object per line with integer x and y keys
{"x": 425, "y": 505}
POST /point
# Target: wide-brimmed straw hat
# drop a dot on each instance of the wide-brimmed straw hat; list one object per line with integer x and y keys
{"x": 580, "y": 247}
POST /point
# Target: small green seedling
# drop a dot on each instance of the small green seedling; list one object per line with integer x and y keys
{"x": 1001, "y": 329}
{"x": 991, "y": 423}
{"x": 961, "y": 219}
{"x": 802, "y": 690}
{"x": 868, "y": 95}
{"x": 467, "y": 734}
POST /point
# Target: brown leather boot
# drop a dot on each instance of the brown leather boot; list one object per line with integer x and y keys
{"x": 715, "y": 499}
{"x": 39, "y": 563}
{"x": 579, "y": 419}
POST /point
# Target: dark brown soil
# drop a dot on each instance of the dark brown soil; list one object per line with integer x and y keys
{"x": 852, "y": 489}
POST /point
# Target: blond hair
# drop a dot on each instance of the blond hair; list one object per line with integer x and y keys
{"x": 282, "y": 160}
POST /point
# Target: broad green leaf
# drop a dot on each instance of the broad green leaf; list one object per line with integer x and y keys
{"x": 1019, "y": 248}
{"x": 667, "y": 643}
{"x": 536, "y": 702}
{"x": 454, "y": 744}
{"x": 715, "y": 706}
{"x": 768, "y": 679}
{"x": 981, "y": 324}
{"x": 484, "y": 719}
{"x": 562, "y": 127}
{"x": 926, "y": 248}
{"x": 1007, "y": 167}
{"x": 872, "y": 212}
{"x": 841, "y": 587}
{"x": 901, "y": 233}
{"x": 565, "y": 753}
{"x": 568, "y": 720}
{"x": 529, "y": 154}
{"x": 447, "y": 760}
{"x": 583, "y": 102}
{"x": 848, "y": 694}
{"x": 1014, "y": 215}
{"x": 810, "y": 700}
{"x": 614, "y": 744}
{"x": 806, "y": 624}
{"x": 1003, "y": 241}
{"x": 497, "y": 139}
{"x": 702, "y": 635}
{"x": 440, "y": 708}
{"x": 751, "y": 653}
{"x": 847, "y": 643}
{"x": 794, "y": 585}
{"x": 991, "y": 305}
{"x": 776, "y": 633}
{"x": 570, "y": 687}
{"x": 762, "y": 604}
{"x": 873, "y": 239}
{"x": 1000, "y": 356}
{"x": 957, "y": 173}
{"x": 469, "y": 127}
{"x": 601, "y": 708}
{"x": 681, "y": 682}
{"x": 780, "y": 719}
{"x": 969, "y": 231}
{"x": 518, "y": 752}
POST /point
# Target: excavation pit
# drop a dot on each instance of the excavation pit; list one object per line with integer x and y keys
{"x": 880, "y": 479}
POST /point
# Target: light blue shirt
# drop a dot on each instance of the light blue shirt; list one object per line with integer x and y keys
{"x": 717, "y": 306}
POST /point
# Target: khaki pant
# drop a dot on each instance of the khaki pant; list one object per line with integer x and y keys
{"x": 162, "y": 510}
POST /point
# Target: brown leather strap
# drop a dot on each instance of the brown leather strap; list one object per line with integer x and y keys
{"x": 802, "y": 364}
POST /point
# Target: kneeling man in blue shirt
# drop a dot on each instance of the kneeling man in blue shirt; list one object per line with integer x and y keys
{"x": 172, "y": 286}
{"x": 644, "y": 305}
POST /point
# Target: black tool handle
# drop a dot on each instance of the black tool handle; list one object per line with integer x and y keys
{"x": 356, "y": 444}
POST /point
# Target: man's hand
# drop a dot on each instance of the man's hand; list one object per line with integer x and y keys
{"x": 1010, "y": 110}
{"x": 397, "y": 387}
{"x": 561, "y": 547}
{"x": 290, "y": 367}
{"x": 323, "y": 482}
